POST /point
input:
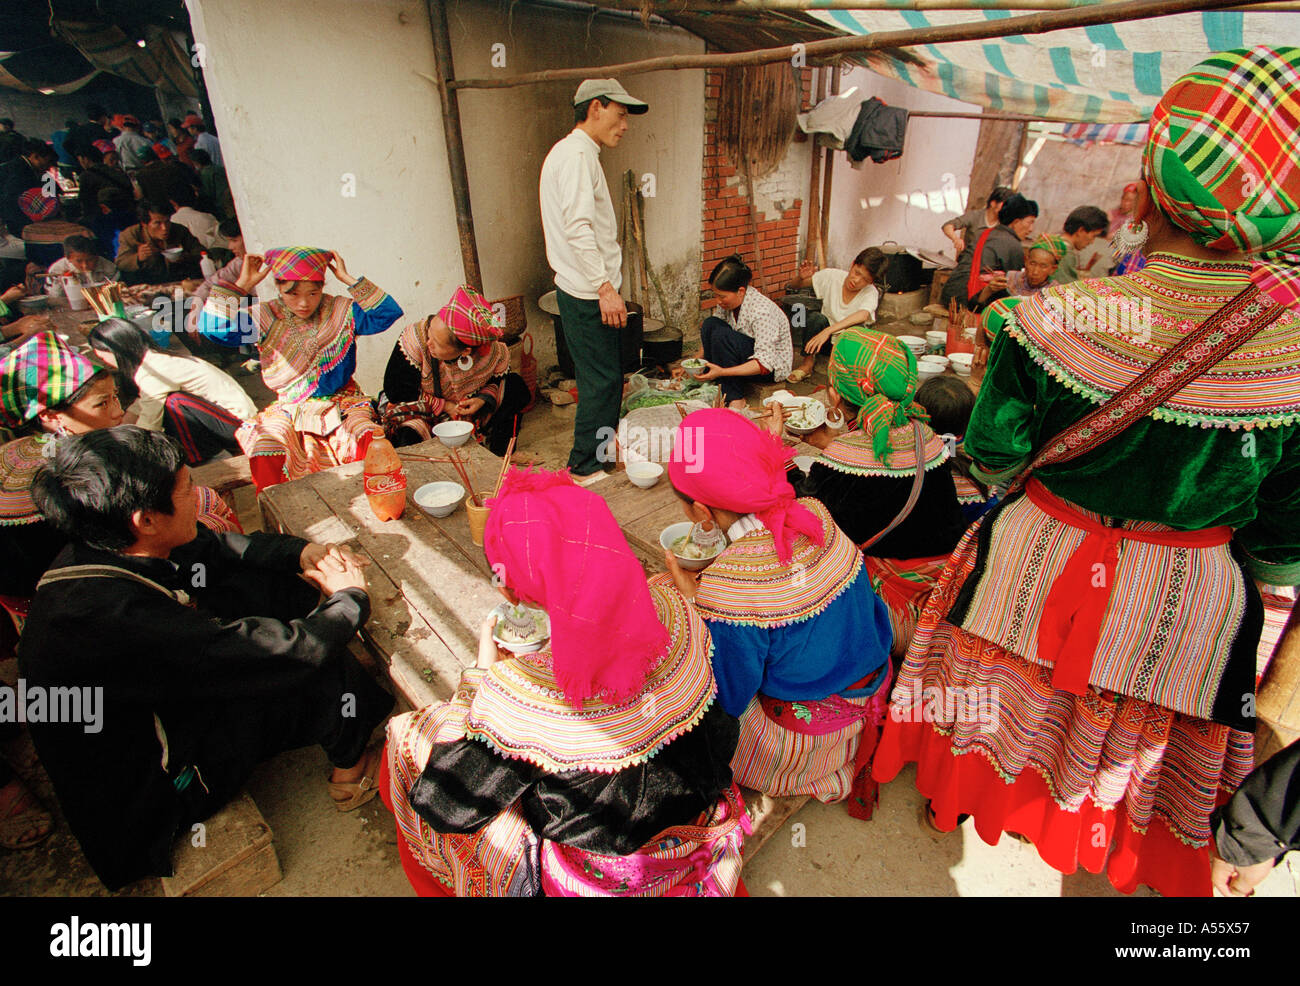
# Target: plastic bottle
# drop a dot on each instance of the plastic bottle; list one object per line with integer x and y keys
{"x": 207, "y": 266}
{"x": 385, "y": 481}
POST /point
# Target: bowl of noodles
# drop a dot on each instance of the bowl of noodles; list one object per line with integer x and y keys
{"x": 690, "y": 556}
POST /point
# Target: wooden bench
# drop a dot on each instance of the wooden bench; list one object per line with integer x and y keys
{"x": 229, "y": 855}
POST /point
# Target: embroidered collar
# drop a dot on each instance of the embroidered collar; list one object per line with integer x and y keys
{"x": 1096, "y": 336}
{"x": 748, "y": 585}
{"x": 746, "y": 525}
{"x": 520, "y": 712}
{"x": 852, "y": 453}
{"x": 19, "y": 461}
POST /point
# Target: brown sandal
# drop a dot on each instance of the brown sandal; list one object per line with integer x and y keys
{"x": 17, "y": 821}
{"x": 354, "y": 794}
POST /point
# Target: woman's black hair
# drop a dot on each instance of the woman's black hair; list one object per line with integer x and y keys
{"x": 731, "y": 274}
{"x": 1016, "y": 207}
{"x": 999, "y": 194}
{"x": 949, "y": 402}
{"x": 874, "y": 262}
{"x": 129, "y": 345}
{"x": 77, "y": 395}
{"x": 93, "y": 484}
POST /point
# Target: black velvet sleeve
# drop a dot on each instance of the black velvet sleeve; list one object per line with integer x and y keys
{"x": 401, "y": 379}
{"x": 28, "y": 550}
{"x": 465, "y": 785}
{"x": 1262, "y": 820}
{"x": 862, "y": 505}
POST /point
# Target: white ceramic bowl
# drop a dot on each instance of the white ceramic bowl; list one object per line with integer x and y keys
{"x": 532, "y": 647}
{"x": 816, "y": 413}
{"x": 644, "y": 474}
{"x": 439, "y": 499}
{"x": 961, "y": 363}
{"x": 928, "y": 371}
{"x": 453, "y": 433}
{"x": 942, "y": 362}
{"x": 670, "y": 534}
{"x": 915, "y": 343}
{"x": 694, "y": 368}
{"x": 804, "y": 462}
{"x": 936, "y": 340}
{"x": 173, "y": 253}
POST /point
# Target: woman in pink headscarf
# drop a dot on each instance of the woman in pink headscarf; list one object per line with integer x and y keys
{"x": 598, "y": 766}
{"x": 801, "y": 643}
{"x": 453, "y": 366}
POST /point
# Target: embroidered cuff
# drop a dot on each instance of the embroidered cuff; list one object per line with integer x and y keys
{"x": 1274, "y": 573}
{"x": 997, "y": 477}
{"x": 366, "y": 294}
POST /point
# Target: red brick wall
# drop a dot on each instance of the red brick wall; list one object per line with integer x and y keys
{"x": 726, "y": 226}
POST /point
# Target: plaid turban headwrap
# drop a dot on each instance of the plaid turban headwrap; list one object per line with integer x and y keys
{"x": 36, "y": 205}
{"x": 877, "y": 373}
{"x": 1053, "y": 243}
{"x": 298, "y": 263}
{"x": 1221, "y": 159}
{"x": 40, "y": 374}
{"x": 470, "y": 318}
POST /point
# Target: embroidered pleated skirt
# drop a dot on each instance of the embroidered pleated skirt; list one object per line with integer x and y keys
{"x": 1100, "y": 780}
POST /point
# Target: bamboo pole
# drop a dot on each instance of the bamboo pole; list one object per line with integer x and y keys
{"x": 1016, "y": 117}
{"x": 455, "y": 142}
{"x": 1038, "y": 23}
{"x": 813, "y": 247}
{"x": 828, "y": 172}
{"x": 669, "y": 7}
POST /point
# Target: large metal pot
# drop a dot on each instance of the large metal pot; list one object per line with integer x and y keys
{"x": 902, "y": 270}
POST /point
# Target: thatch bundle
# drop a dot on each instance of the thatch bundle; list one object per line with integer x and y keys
{"x": 757, "y": 106}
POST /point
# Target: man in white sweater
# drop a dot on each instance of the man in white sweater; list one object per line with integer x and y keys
{"x": 582, "y": 248}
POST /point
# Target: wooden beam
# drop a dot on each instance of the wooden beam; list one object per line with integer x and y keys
{"x": 666, "y": 8}
{"x": 1017, "y": 117}
{"x": 1039, "y": 23}
{"x": 828, "y": 172}
{"x": 455, "y": 142}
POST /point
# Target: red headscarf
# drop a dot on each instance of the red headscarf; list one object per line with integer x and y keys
{"x": 470, "y": 318}
{"x": 724, "y": 460}
{"x": 560, "y": 548}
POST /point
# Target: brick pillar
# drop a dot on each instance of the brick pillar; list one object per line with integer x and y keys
{"x": 726, "y": 227}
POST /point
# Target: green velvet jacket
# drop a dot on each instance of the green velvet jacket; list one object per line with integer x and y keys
{"x": 1178, "y": 474}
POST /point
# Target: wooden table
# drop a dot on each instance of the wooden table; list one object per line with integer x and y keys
{"x": 430, "y": 585}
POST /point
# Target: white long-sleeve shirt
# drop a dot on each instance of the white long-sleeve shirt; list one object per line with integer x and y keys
{"x": 161, "y": 374}
{"x": 578, "y": 218}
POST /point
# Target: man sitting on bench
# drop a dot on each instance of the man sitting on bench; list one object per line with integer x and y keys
{"x": 193, "y": 655}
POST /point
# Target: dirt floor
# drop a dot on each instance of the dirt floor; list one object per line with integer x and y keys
{"x": 820, "y": 851}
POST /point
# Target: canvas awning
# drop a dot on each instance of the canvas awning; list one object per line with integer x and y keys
{"x": 1110, "y": 73}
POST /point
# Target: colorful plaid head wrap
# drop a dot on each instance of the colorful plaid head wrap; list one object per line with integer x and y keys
{"x": 470, "y": 318}
{"x": 559, "y": 547}
{"x": 1053, "y": 243}
{"x": 723, "y": 459}
{"x": 1222, "y": 156}
{"x": 877, "y": 373}
{"x": 298, "y": 263}
{"x": 40, "y": 374}
{"x": 36, "y": 205}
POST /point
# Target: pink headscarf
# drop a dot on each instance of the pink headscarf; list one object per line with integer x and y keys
{"x": 561, "y": 549}
{"x": 724, "y": 460}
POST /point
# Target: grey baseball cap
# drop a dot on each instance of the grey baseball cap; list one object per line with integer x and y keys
{"x": 610, "y": 89}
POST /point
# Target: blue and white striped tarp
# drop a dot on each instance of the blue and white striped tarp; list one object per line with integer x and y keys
{"x": 1111, "y": 73}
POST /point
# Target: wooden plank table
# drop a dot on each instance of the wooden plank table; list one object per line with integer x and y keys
{"x": 430, "y": 585}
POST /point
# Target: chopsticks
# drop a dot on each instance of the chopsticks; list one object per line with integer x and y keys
{"x": 106, "y": 300}
{"x": 505, "y": 464}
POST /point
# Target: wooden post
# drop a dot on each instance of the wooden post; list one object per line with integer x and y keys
{"x": 446, "y": 73}
{"x": 828, "y": 172}
{"x": 813, "y": 246}
{"x": 1036, "y": 23}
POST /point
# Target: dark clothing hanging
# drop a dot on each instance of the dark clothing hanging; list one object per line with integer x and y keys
{"x": 465, "y": 785}
{"x": 1262, "y": 820}
{"x": 878, "y": 133}
{"x": 863, "y": 505}
{"x": 257, "y": 665}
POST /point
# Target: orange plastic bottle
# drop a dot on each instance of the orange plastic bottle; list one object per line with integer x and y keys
{"x": 384, "y": 480}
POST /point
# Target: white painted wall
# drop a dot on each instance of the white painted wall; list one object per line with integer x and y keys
{"x": 306, "y": 94}
{"x": 910, "y": 198}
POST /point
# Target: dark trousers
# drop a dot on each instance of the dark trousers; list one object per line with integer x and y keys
{"x": 337, "y": 707}
{"x": 725, "y": 346}
{"x": 202, "y": 428}
{"x": 595, "y": 351}
{"x": 506, "y": 419}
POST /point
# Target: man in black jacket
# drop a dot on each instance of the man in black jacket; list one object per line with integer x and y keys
{"x": 194, "y": 656}
{"x": 29, "y": 171}
{"x": 1258, "y": 825}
